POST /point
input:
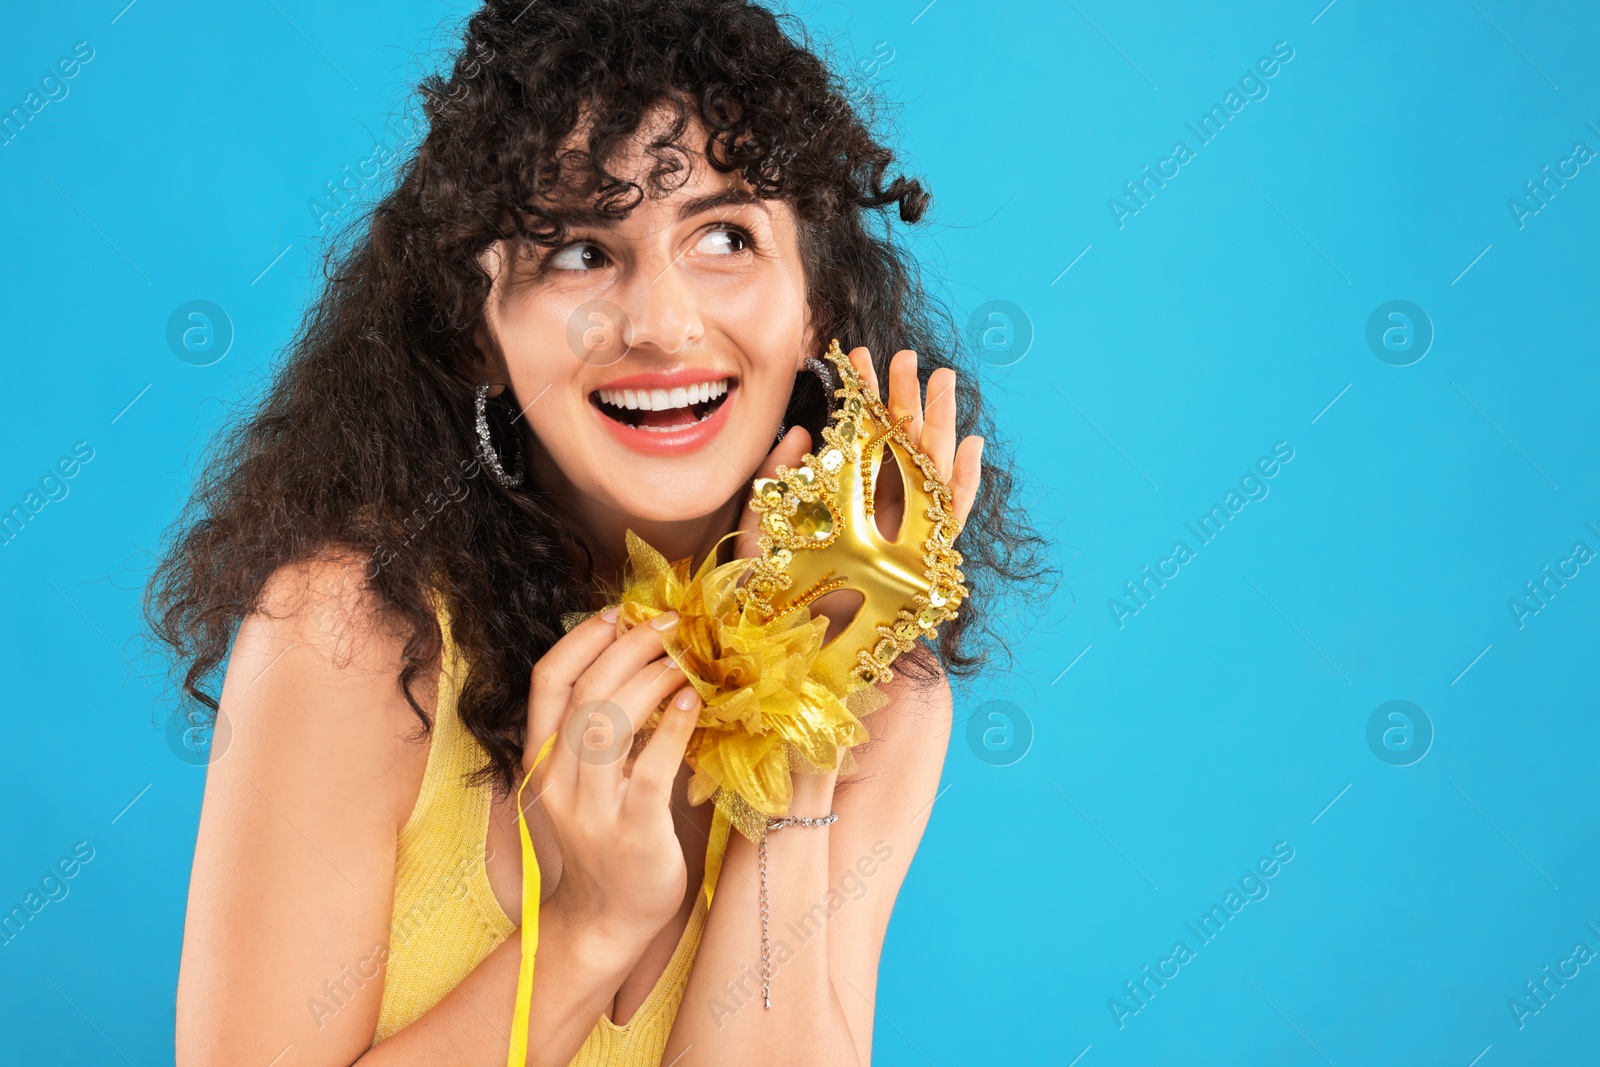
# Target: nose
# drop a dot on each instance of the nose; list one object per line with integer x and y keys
{"x": 660, "y": 309}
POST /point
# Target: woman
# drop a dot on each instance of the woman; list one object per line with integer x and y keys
{"x": 628, "y": 226}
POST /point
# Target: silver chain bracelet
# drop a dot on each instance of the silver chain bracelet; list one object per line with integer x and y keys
{"x": 766, "y": 948}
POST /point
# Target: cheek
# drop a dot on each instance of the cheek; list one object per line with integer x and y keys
{"x": 769, "y": 381}
{"x": 559, "y": 417}
{"x": 538, "y": 351}
{"x": 770, "y": 331}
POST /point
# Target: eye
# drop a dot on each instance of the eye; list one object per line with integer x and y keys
{"x": 724, "y": 240}
{"x": 579, "y": 256}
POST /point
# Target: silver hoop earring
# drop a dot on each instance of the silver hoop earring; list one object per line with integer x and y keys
{"x": 825, "y": 374}
{"x": 486, "y": 451}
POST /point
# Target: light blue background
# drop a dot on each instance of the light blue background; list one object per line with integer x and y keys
{"x": 1227, "y": 315}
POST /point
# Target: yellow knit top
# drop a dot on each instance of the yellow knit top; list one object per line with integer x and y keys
{"x": 446, "y": 918}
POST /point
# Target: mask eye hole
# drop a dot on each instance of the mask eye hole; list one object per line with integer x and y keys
{"x": 888, "y": 492}
{"x": 841, "y": 607}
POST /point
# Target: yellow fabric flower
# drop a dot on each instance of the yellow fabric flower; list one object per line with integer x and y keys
{"x": 766, "y": 714}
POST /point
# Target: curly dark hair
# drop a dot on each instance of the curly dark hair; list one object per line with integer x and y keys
{"x": 365, "y": 438}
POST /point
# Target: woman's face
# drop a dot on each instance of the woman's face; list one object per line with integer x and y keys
{"x": 654, "y": 356}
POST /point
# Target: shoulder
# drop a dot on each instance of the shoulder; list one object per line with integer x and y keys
{"x": 326, "y": 603}
{"x": 903, "y": 759}
{"x": 312, "y": 690}
{"x": 921, "y": 688}
{"x": 909, "y": 734}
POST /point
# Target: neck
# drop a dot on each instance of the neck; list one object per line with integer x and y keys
{"x": 606, "y": 527}
{"x": 691, "y": 539}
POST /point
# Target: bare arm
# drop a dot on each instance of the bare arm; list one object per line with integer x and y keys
{"x": 294, "y": 864}
{"x": 577, "y": 976}
{"x": 843, "y": 878}
{"x": 293, "y": 883}
{"x": 831, "y": 891}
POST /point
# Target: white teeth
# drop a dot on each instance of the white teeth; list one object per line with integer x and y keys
{"x": 663, "y": 399}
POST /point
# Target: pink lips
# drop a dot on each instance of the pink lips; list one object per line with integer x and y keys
{"x": 691, "y": 436}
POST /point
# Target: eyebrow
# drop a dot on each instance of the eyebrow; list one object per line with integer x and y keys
{"x": 587, "y": 216}
{"x": 720, "y": 199}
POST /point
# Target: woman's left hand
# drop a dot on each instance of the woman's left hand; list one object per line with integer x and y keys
{"x": 931, "y": 427}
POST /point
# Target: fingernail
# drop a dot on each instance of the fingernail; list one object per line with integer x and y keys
{"x": 686, "y": 699}
{"x": 610, "y": 614}
{"x": 665, "y": 621}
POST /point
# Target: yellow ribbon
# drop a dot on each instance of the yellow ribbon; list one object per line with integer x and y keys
{"x": 518, "y": 1055}
{"x": 530, "y": 921}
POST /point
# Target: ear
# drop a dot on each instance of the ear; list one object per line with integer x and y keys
{"x": 809, "y": 346}
{"x": 490, "y": 363}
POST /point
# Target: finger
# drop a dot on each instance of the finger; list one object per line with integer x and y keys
{"x": 657, "y": 766}
{"x": 788, "y": 452}
{"x": 791, "y": 449}
{"x": 604, "y": 676}
{"x": 626, "y": 656}
{"x": 861, "y": 360}
{"x": 938, "y": 438}
{"x": 555, "y": 673}
{"x": 609, "y": 726}
{"x": 964, "y": 479}
{"x": 905, "y": 391}
{"x": 645, "y": 691}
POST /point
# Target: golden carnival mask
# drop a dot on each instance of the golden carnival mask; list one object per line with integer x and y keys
{"x": 819, "y": 534}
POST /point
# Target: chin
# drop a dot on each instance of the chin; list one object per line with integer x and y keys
{"x": 682, "y": 492}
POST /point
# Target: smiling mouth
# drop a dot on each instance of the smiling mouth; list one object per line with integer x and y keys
{"x": 663, "y": 410}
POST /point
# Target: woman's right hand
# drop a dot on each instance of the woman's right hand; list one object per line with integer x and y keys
{"x": 623, "y": 873}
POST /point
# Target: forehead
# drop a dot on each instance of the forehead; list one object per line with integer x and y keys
{"x": 669, "y": 168}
